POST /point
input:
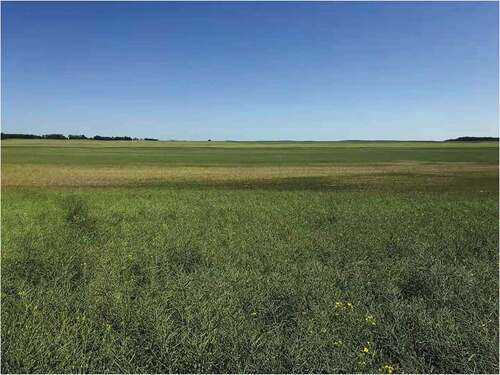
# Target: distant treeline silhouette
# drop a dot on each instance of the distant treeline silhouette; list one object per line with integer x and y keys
{"x": 72, "y": 136}
{"x": 473, "y": 139}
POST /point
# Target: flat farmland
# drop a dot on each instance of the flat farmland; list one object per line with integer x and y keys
{"x": 249, "y": 256}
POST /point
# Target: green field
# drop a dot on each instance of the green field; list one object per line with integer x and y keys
{"x": 249, "y": 257}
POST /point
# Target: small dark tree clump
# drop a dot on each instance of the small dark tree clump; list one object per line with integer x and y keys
{"x": 54, "y": 136}
{"x": 101, "y": 138}
{"x": 473, "y": 139}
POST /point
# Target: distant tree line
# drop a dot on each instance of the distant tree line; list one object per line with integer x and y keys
{"x": 101, "y": 138}
{"x": 20, "y": 136}
{"x": 71, "y": 136}
{"x": 33, "y": 136}
{"x": 473, "y": 139}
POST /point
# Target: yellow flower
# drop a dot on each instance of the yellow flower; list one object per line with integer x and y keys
{"x": 370, "y": 319}
{"x": 365, "y": 349}
{"x": 340, "y": 305}
{"x": 386, "y": 369}
{"x": 338, "y": 343}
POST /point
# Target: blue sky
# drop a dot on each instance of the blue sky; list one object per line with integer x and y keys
{"x": 245, "y": 71}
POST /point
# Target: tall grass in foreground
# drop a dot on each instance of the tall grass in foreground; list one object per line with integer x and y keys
{"x": 166, "y": 280}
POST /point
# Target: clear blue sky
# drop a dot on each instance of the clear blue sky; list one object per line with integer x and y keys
{"x": 319, "y": 71}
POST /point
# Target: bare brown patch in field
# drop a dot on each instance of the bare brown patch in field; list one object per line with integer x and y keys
{"x": 30, "y": 175}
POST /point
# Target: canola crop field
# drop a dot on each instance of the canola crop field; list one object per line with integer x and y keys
{"x": 241, "y": 257}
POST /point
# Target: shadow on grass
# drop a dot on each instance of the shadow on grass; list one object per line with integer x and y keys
{"x": 400, "y": 182}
